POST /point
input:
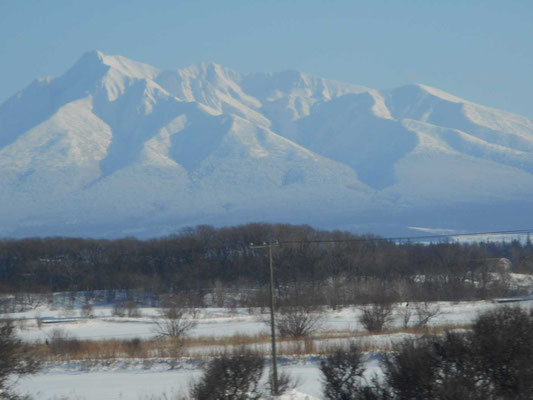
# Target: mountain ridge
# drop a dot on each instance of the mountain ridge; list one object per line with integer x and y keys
{"x": 113, "y": 141}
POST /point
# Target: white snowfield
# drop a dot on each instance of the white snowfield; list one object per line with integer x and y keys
{"x": 142, "y": 384}
{"x": 137, "y": 378}
{"x": 114, "y": 147}
{"x": 212, "y": 322}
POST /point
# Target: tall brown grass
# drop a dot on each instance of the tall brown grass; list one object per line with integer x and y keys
{"x": 70, "y": 348}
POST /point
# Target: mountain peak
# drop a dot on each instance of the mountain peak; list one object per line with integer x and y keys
{"x": 96, "y": 54}
{"x": 90, "y": 59}
{"x": 209, "y": 70}
{"x": 440, "y": 93}
{"x": 115, "y": 144}
{"x": 134, "y": 69}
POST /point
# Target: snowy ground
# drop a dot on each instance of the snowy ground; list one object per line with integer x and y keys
{"x": 138, "y": 379}
{"x": 214, "y": 322}
{"x": 126, "y": 384}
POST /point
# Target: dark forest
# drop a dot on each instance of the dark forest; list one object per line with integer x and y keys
{"x": 342, "y": 269}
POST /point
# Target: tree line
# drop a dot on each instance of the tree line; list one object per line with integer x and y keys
{"x": 329, "y": 267}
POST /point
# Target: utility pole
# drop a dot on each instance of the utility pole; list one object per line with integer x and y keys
{"x": 274, "y": 388}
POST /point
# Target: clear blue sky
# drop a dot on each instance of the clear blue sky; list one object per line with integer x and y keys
{"x": 479, "y": 50}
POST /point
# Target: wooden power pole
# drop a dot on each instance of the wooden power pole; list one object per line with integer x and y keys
{"x": 274, "y": 388}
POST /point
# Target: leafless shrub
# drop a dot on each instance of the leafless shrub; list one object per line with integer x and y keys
{"x": 68, "y": 303}
{"x": 175, "y": 323}
{"x": 87, "y": 309}
{"x": 119, "y": 310}
{"x": 285, "y": 383}
{"x": 132, "y": 309}
{"x": 39, "y": 321}
{"x": 425, "y": 312}
{"x": 22, "y": 324}
{"x": 32, "y": 300}
{"x": 176, "y": 319}
{"x": 335, "y": 291}
{"x": 406, "y": 313}
{"x": 232, "y": 305}
{"x": 220, "y": 294}
{"x": 376, "y": 316}
{"x": 298, "y": 321}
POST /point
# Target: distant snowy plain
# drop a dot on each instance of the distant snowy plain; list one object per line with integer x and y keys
{"x": 137, "y": 379}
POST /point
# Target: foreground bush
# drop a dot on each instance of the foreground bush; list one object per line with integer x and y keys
{"x": 503, "y": 343}
{"x": 232, "y": 376}
{"x": 492, "y": 362}
{"x": 15, "y": 360}
{"x": 342, "y": 373}
{"x": 434, "y": 368}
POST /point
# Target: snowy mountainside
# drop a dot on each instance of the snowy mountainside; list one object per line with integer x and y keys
{"x": 115, "y": 147}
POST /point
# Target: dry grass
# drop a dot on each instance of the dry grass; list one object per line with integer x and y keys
{"x": 211, "y": 346}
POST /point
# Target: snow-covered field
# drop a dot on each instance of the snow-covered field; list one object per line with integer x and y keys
{"x": 212, "y": 322}
{"x": 136, "y": 384}
{"x": 138, "y": 379}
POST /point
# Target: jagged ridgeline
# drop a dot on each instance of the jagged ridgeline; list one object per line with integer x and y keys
{"x": 115, "y": 147}
{"x": 342, "y": 269}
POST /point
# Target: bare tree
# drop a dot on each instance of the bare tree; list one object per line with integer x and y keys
{"x": 132, "y": 309}
{"x": 426, "y": 312}
{"x": 406, "y": 312}
{"x": 418, "y": 313}
{"x": 298, "y": 321}
{"x": 119, "y": 310}
{"x": 175, "y": 323}
{"x": 87, "y": 309}
{"x": 376, "y": 316}
{"x": 176, "y": 319}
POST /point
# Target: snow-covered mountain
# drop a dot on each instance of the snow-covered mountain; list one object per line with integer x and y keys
{"x": 115, "y": 147}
